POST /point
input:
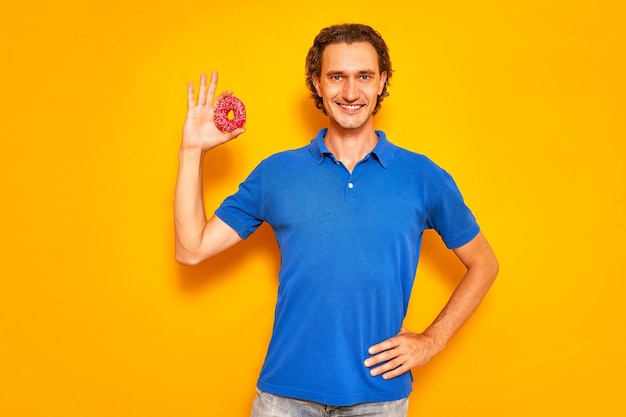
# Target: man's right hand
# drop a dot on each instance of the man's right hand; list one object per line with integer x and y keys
{"x": 199, "y": 130}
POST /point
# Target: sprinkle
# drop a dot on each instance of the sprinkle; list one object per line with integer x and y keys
{"x": 222, "y": 110}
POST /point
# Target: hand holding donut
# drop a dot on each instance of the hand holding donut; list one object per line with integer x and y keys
{"x": 200, "y": 131}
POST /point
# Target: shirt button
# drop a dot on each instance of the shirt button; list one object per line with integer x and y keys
{"x": 350, "y": 185}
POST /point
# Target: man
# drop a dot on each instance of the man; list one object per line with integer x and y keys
{"x": 348, "y": 211}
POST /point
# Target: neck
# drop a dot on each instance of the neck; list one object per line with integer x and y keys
{"x": 350, "y": 145}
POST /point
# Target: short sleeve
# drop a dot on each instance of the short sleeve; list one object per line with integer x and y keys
{"x": 243, "y": 211}
{"x": 449, "y": 216}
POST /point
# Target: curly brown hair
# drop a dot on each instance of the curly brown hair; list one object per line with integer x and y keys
{"x": 346, "y": 33}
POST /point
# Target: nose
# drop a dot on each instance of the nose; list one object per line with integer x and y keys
{"x": 350, "y": 90}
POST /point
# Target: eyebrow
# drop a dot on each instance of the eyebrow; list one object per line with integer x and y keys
{"x": 361, "y": 72}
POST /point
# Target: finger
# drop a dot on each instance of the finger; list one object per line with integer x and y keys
{"x": 213, "y": 84}
{"x": 382, "y": 346}
{"x": 226, "y": 93}
{"x": 396, "y": 372}
{"x": 191, "y": 98}
{"x": 232, "y": 135}
{"x": 387, "y": 367}
{"x": 202, "y": 92}
{"x": 380, "y": 358}
{"x": 238, "y": 131}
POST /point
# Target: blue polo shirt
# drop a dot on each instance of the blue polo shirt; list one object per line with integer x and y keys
{"x": 349, "y": 246}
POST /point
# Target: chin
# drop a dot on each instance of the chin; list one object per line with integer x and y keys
{"x": 351, "y": 124}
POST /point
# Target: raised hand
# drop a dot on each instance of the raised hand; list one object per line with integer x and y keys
{"x": 199, "y": 130}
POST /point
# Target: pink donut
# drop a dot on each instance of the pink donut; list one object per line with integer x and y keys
{"x": 223, "y": 109}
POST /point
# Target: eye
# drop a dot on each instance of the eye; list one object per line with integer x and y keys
{"x": 336, "y": 77}
{"x": 365, "y": 77}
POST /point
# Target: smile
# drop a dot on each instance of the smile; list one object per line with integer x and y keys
{"x": 350, "y": 106}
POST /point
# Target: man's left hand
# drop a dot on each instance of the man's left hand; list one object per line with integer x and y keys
{"x": 401, "y": 353}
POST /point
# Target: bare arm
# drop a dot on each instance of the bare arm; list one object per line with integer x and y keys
{"x": 196, "y": 238}
{"x": 407, "y": 350}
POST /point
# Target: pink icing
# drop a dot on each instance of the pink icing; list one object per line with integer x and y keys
{"x": 223, "y": 108}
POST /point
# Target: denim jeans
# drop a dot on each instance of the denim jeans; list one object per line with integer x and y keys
{"x": 270, "y": 405}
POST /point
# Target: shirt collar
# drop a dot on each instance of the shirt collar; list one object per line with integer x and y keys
{"x": 384, "y": 150}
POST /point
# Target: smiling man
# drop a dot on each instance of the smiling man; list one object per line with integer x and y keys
{"x": 348, "y": 211}
{"x": 349, "y": 84}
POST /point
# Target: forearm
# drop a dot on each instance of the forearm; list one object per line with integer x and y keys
{"x": 407, "y": 350}
{"x": 189, "y": 215}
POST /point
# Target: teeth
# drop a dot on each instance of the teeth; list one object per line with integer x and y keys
{"x": 351, "y": 107}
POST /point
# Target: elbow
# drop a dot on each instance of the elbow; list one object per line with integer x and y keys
{"x": 488, "y": 268}
{"x": 186, "y": 257}
{"x": 495, "y": 265}
{"x": 492, "y": 268}
{"x": 496, "y": 269}
{"x": 489, "y": 264}
{"x": 186, "y": 260}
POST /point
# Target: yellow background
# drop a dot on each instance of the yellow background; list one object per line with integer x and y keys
{"x": 522, "y": 101}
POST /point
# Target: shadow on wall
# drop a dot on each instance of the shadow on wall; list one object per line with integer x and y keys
{"x": 437, "y": 257}
{"x": 222, "y": 266}
{"x": 440, "y": 264}
{"x": 310, "y": 116}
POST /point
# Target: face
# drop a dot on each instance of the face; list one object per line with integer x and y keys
{"x": 350, "y": 83}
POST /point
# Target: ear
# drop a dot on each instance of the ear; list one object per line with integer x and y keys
{"x": 383, "y": 80}
{"x": 316, "y": 83}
